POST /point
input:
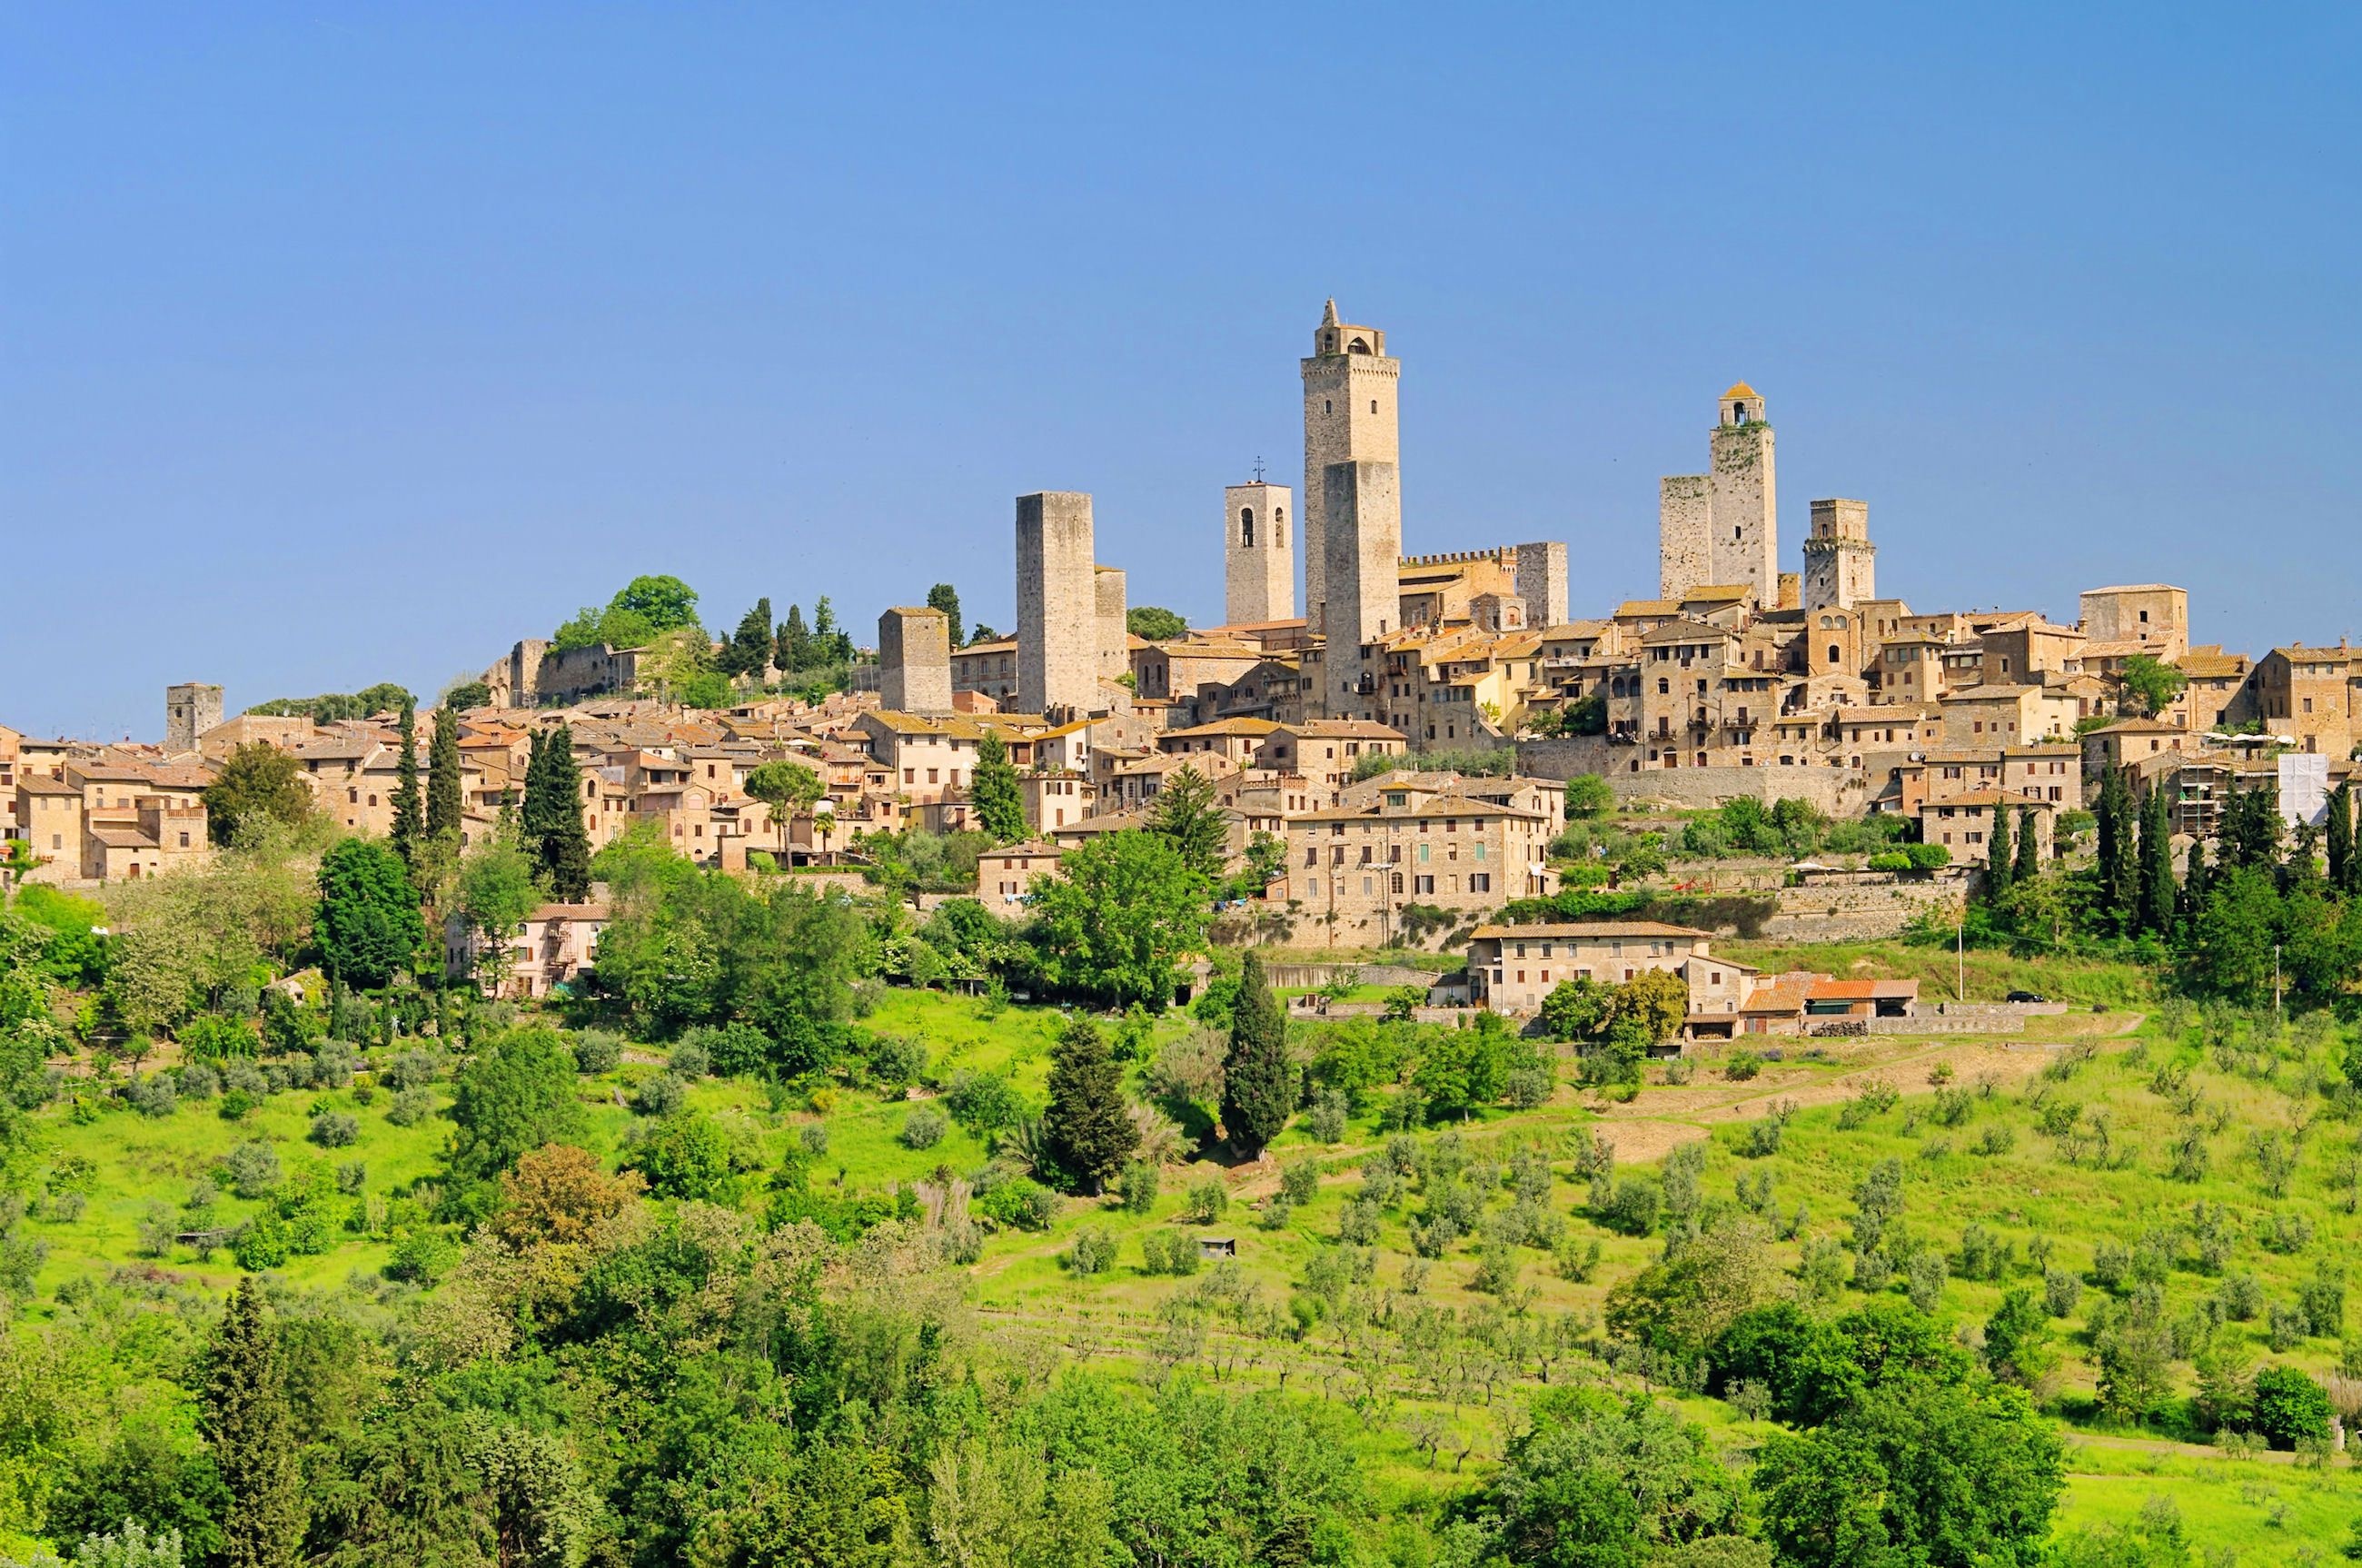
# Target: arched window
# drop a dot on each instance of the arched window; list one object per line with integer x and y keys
{"x": 1246, "y": 527}
{"x": 1279, "y": 527}
{"x": 1357, "y": 346}
{"x": 1835, "y": 652}
{"x": 1664, "y": 686}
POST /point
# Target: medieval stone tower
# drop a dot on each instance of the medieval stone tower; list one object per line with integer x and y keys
{"x": 1349, "y": 417}
{"x": 1258, "y": 561}
{"x": 1840, "y": 563}
{"x": 190, "y": 710}
{"x": 1541, "y": 583}
{"x": 1362, "y": 501}
{"x": 1110, "y": 611}
{"x": 1722, "y": 528}
{"x": 914, "y": 661}
{"x": 1057, "y": 605}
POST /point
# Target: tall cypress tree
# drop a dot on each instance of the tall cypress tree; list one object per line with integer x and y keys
{"x": 749, "y": 649}
{"x": 2112, "y": 831}
{"x": 445, "y": 805}
{"x": 994, "y": 791}
{"x": 564, "y": 845}
{"x": 1258, "y": 1080}
{"x": 2193, "y": 881}
{"x": 2001, "y": 858}
{"x": 2339, "y": 838}
{"x": 246, "y": 1418}
{"x": 2029, "y": 849}
{"x": 794, "y": 648}
{"x": 2157, "y": 890}
{"x": 408, "y": 806}
{"x": 1088, "y": 1125}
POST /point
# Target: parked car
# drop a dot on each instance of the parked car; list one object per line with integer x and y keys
{"x": 2025, "y": 996}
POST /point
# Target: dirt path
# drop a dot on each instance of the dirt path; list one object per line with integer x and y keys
{"x": 2165, "y": 1446}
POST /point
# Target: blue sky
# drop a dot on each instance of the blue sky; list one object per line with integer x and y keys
{"x": 341, "y": 344}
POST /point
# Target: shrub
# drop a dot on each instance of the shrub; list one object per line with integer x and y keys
{"x": 1093, "y": 1250}
{"x": 261, "y": 1243}
{"x": 689, "y": 1059}
{"x": 197, "y": 1081}
{"x": 332, "y": 1063}
{"x": 896, "y": 1061}
{"x": 1529, "y": 1087}
{"x": 411, "y": 1069}
{"x": 660, "y": 1095}
{"x": 246, "y": 1078}
{"x": 351, "y": 1176}
{"x": 1742, "y": 1065}
{"x": 155, "y": 1095}
{"x": 1137, "y": 1185}
{"x": 1207, "y": 1199}
{"x": 1632, "y": 1206}
{"x": 409, "y": 1107}
{"x": 2242, "y": 1296}
{"x": 596, "y": 1051}
{"x": 813, "y": 1139}
{"x": 334, "y": 1128}
{"x": 422, "y": 1256}
{"x": 1168, "y": 1252}
{"x": 923, "y": 1126}
{"x": 2289, "y": 1407}
{"x": 253, "y": 1170}
{"x": 983, "y": 1102}
{"x": 1023, "y": 1203}
{"x": 1326, "y": 1120}
{"x": 1357, "y": 1226}
{"x": 1299, "y": 1182}
{"x": 237, "y": 1104}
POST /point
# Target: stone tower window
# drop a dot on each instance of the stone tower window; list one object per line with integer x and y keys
{"x": 1327, "y": 406}
{"x": 1246, "y": 526}
{"x": 1278, "y": 527}
{"x": 1834, "y": 654}
{"x": 1374, "y": 405}
{"x": 1357, "y": 346}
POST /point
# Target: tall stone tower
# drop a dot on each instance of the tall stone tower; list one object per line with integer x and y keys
{"x": 1742, "y": 499}
{"x": 190, "y": 710}
{"x": 1057, "y": 605}
{"x": 1685, "y": 549}
{"x": 1362, "y": 501}
{"x": 1109, "y": 607}
{"x": 1541, "y": 583}
{"x": 1840, "y": 563}
{"x": 1349, "y": 417}
{"x": 1258, "y": 561}
{"x": 914, "y": 661}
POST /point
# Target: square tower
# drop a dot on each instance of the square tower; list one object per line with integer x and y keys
{"x": 1541, "y": 583}
{"x": 1685, "y": 556}
{"x": 1742, "y": 499}
{"x": 190, "y": 710}
{"x": 914, "y": 661}
{"x": 1362, "y": 501}
{"x": 1107, "y": 588}
{"x": 1057, "y": 605}
{"x": 1258, "y": 561}
{"x": 1349, "y": 417}
{"x": 1840, "y": 563}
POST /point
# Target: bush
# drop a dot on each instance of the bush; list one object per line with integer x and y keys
{"x": 813, "y": 1139}
{"x": 1326, "y": 1120}
{"x": 660, "y": 1095}
{"x": 1169, "y": 1251}
{"x": 689, "y": 1059}
{"x": 923, "y": 1126}
{"x": 197, "y": 1081}
{"x": 1527, "y": 1089}
{"x": 1093, "y": 1250}
{"x": 983, "y": 1102}
{"x": 596, "y": 1051}
{"x": 422, "y": 1256}
{"x": 1138, "y": 1186}
{"x": 332, "y": 1063}
{"x": 1023, "y": 1203}
{"x": 1742, "y": 1065}
{"x": 896, "y": 1061}
{"x": 409, "y": 1107}
{"x": 2289, "y": 1407}
{"x": 334, "y": 1129}
{"x": 411, "y": 1069}
{"x": 1207, "y": 1200}
{"x": 1632, "y": 1206}
{"x": 252, "y": 1169}
{"x": 352, "y": 1175}
{"x": 155, "y": 1095}
{"x": 1299, "y": 1182}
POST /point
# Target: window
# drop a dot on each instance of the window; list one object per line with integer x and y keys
{"x": 1423, "y": 885}
{"x": 1374, "y": 405}
{"x": 1480, "y": 882}
{"x": 1246, "y": 527}
{"x": 1278, "y": 527}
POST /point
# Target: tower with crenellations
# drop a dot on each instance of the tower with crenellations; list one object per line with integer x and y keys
{"x": 1349, "y": 417}
{"x": 1721, "y": 528}
{"x": 1258, "y": 559}
{"x": 190, "y": 710}
{"x": 1840, "y": 563}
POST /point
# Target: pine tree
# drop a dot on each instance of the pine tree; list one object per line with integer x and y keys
{"x": 245, "y": 1415}
{"x": 444, "y": 806}
{"x": 2339, "y": 838}
{"x": 2157, "y": 889}
{"x": 794, "y": 643}
{"x": 1089, "y": 1126}
{"x": 1259, "y": 1086}
{"x": 994, "y": 792}
{"x": 1185, "y": 813}
{"x": 2000, "y": 857}
{"x": 2029, "y": 849}
{"x": 566, "y": 844}
{"x": 408, "y": 806}
{"x": 945, "y": 598}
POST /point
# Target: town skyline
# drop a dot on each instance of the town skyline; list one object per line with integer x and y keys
{"x": 352, "y": 414}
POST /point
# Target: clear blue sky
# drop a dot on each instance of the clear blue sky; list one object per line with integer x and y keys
{"x": 341, "y": 344}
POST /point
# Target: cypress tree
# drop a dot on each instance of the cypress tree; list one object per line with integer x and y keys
{"x": 945, "y": 598}
{"x": 408, "y": 806}
{"x": 1999, "y": 858}
{"x": 995, "y": 793}
{"x": 2029, "y": 849}
{"x": 1090, "y": 1129}
{"x": 2112, "y": 829}
{"x": 2195, "y": 880}
{"x": 749, "y": 649}
{"x": 445, "y": 805}
{"x": 1258, "y": 1080}
{"x": 2339, "y": 839}
{"x": 794, "y": 648}
{"x": 246, "y": 1418}
{"x": 565, "y": 846}
{"x": 2157, "y": 890}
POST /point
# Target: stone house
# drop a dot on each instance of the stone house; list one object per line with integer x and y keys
{"x": 557, "y": 945}
{"x": 1512, "y": 969}
{"x": 1004, "y": 874}
{"x": 1354, "y": 870}
{"x": 1963, "y": 823}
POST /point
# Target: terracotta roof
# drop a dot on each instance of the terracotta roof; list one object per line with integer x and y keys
{"x": 1607, "y": 929}
{"x": 1784, "y": 994}
{"x": 1633, "y": 608}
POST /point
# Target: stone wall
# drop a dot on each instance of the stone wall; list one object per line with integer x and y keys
{"x": 1872, "y": 913}
{"x": 1057, "y": 605}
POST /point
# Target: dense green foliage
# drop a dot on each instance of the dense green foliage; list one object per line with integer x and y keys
{"x": 257, "y": 783}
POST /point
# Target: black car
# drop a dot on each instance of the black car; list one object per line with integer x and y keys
{"x": 2025, "y": 996}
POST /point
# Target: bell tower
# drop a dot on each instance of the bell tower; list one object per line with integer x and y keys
{"x": 1742, "y": 499}
{"x": 1349, "y": 417}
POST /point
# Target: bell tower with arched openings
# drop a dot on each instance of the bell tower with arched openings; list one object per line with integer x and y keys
{"x": 1742, "y": 499}
{"x": 1258, "y": 528}
{"x": 1349, "y": 417}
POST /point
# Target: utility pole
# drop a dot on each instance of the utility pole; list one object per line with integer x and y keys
{"x": 2276, "y": 984}
{"x": 1961, "y": 957}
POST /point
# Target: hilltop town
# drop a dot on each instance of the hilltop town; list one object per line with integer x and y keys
{"x": 1392, "y": 746}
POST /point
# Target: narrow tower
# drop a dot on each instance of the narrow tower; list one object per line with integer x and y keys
{"x": 1364, "y": 503}
{"x": 1057, "y": 605}
{"x": 1258, "y": 559}
{"x": 914, "y": 661}
{"x": 190, "y": 710}
{"x": 1840, "y": 563}
{"x": 1349, "y": 417}
{"x": 1742, "y": 499}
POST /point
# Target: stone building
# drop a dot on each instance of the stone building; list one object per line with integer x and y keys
{"x": 1840, "y": 563}
{"x": 1057, "y": 605}
{"x": 1258, "y": 561}
{"x": 1541, "y": 581}
{"x": 1354, "y": 871}
{"x": 914, "y": 661}
{"x": 1361, "y": 539}
{"x": 1722, "y": 527}
{"x": 1350, "y": 386}
{"x": 190, "y": 710}
{"x": 2154, "y": 615}
{"x": 1107, "y": 598}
